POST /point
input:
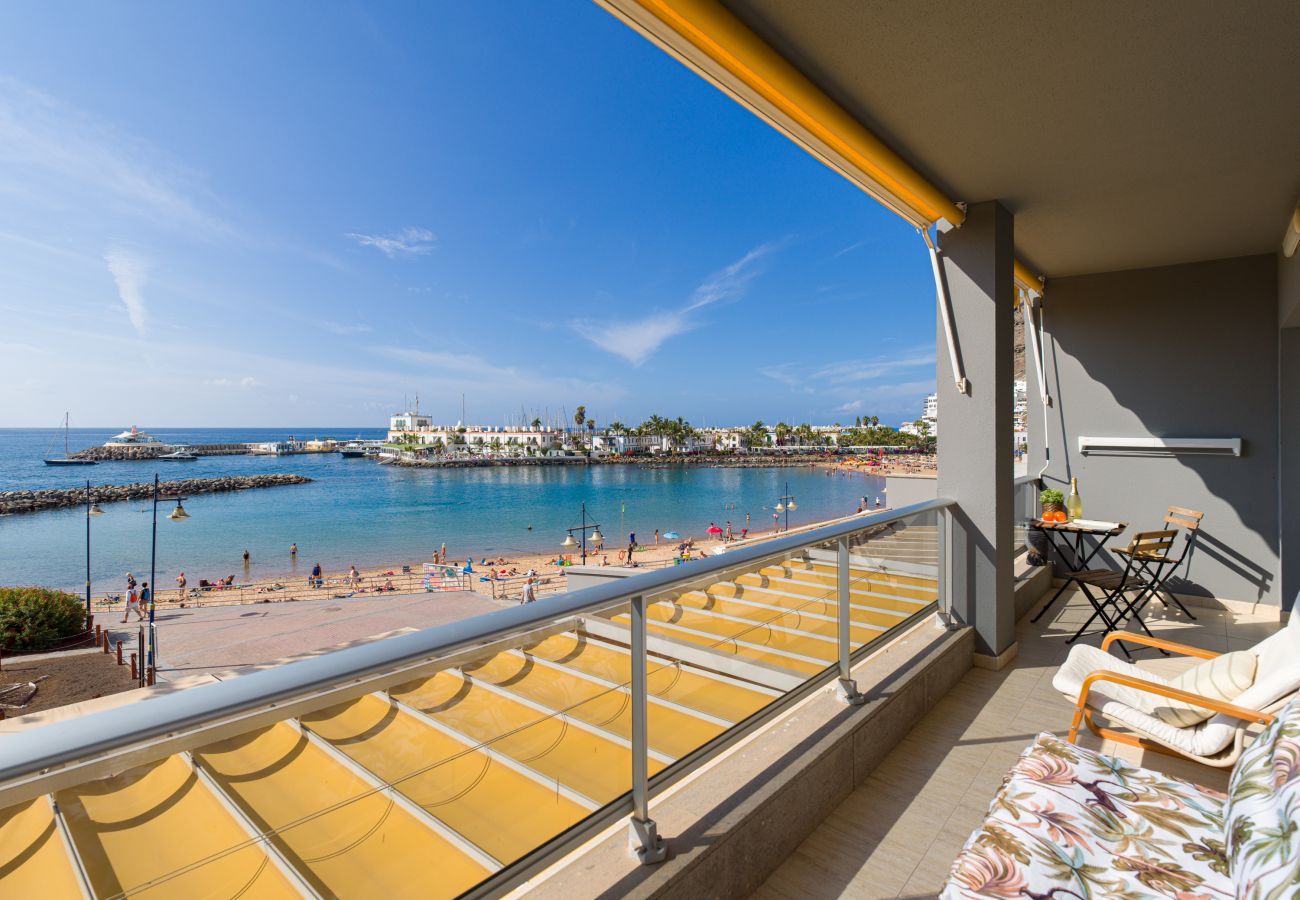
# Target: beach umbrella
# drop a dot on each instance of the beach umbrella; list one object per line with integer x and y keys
{"x": 671, "y": 536}
{"x": 714, "y": 529}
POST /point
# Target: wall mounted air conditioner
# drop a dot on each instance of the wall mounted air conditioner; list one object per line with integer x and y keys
{"x": 1165, "y": 446}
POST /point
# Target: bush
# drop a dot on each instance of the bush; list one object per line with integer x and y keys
{"x": 34, "y": 618}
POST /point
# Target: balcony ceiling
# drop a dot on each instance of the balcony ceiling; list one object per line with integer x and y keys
{"x": 1122, "y": 135}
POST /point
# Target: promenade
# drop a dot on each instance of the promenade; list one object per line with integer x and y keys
{"x": 233, "y": 640}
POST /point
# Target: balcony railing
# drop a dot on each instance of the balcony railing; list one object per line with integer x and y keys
{"x": 1026, "y": 507}
{"x": 483, "y": 750}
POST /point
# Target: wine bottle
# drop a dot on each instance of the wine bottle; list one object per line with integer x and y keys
{"x": 1073, "y": 503}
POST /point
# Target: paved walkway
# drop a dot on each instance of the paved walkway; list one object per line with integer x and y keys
{"x": 897, "y": 834}
{"x": 230, "y": 640}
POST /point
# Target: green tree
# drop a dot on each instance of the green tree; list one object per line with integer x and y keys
{"x": 536, "y": 423}
{"x": 757, "y": 436}
{"x": 580, "y": 416}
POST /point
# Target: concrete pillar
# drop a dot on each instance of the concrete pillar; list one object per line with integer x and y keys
{"x": 1289, "y": 476}
{"x": 975, "y": 428}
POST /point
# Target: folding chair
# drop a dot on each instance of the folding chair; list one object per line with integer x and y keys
{"x": 1178, "y": 517}
{"x": 1145, "y": 559}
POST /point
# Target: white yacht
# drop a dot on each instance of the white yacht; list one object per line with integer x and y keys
{"x": 133, "y": 438}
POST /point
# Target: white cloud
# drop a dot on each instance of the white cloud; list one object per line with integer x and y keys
{"x": 344, "y": 329}
{"x": 407, "y": 242}
{"x": 637, "y": 340}
{"x": 131, "y": 274}
{"x": 248, "y": 381}
{"x": 55, "y": 155}
{"x": 851, "y": 406}
{"x": 457, "y": 371}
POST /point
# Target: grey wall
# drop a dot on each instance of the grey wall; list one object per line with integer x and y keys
{"x": 903, "y": 490}
{"x": 1180, "y": 351}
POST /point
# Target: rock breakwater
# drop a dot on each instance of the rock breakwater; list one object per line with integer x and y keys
{"x": 153, "y": 451}
{"x": 59, "y": 498}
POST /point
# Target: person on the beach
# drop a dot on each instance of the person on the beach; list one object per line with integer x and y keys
{"x": 315, "y": 579}
{"x": 245, "y": 559}
{"x": 293, "y": 550}
{"x": 354, "y": 576}
{"x": 130, "y": 582}
{"x": 146, "y": 595}
{"x": 744, "y": 533}
{"x": 180, "y": 585}
{"x": 132, "y": 605}
{"x": 443, "y": 554}
{"x": 656, "y": 537}
{"x": 529, "y": 594}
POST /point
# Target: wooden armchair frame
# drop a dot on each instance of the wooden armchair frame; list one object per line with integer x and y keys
{"x": 1084, "y": 715}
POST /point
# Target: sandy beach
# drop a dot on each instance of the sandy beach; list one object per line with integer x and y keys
{"x": 508, "y": 572}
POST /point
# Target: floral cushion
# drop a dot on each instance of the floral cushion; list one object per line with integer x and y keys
{"x": 1263, "y": 812}
{"x": 1068, "y": 822}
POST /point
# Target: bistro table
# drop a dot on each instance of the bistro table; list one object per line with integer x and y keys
{"x": 1058, "y": 535}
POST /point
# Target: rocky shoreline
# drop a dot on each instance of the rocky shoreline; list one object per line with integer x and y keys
{"x": 153, "y": 451}
{"x": 59, "y": 498}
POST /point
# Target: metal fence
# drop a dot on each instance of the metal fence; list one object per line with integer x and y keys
{"x": 407, "y": 580}
{"x": 838, "y": 608}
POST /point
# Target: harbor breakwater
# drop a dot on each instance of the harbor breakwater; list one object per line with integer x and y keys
{"x": 58, "y": 498}
{"x": 153, "y": 451}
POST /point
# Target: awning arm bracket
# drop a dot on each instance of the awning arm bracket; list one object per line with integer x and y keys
{"x": 945, "y": 307}
{"x": 1031, "y": 328}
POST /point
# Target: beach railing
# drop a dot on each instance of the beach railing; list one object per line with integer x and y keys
{"x": 607, "y": 697}
{"x": 299, "y": 587}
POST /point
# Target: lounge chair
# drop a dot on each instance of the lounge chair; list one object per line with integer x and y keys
{"x": 1069, "y": 822}
{"x": 1097, "y": 682}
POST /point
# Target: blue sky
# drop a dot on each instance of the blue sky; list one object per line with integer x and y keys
{"x": 299, "y": 213}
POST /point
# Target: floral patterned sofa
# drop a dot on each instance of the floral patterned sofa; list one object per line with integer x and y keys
{"x": 1071, "y": 823}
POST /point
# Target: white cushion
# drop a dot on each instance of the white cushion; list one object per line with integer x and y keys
{"x": 1222, "y": 678}
{"x": 1135, "y": 708}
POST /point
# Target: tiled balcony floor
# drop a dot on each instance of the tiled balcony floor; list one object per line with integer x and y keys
{"x": 897, "y": 834}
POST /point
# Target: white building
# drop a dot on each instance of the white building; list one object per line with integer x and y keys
{"x": 400, "y": 423}
{"x": 418, "y": 429}
{"x": 929, "y": 415}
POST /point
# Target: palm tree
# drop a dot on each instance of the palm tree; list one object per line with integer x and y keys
{"x": 874, "y": 421}
{"x": 616, "y": 427}
{"x": 536, "y": 423}
{"x": 757, "y": 434}
{"x": 782, "y": 433}
{"x": 580, "y": 416}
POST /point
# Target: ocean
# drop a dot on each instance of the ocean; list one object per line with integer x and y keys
{"x": 358, "y": 512}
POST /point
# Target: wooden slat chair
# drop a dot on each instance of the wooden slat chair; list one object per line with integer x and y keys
{"x": 1160, "y": 569}
{"x": 1144, "y": 558}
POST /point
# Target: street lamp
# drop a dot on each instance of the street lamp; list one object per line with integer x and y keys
{"x": 785, "y": 503}
{"x": 176, "y": 515}
{"x": 597, "y": 539}
{"x": 92, "y": 509}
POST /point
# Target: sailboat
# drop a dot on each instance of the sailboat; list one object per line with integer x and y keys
{"x": 67, "y": 460}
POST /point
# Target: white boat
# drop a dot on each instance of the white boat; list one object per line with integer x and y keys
{"x": 133, "y": 438}
{"x": 181, "y": 455}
